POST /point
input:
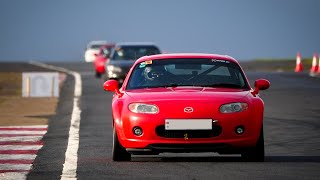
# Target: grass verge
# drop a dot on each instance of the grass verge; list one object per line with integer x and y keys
{"x": 17, "y": 110}
{"x": 278, "y": 65}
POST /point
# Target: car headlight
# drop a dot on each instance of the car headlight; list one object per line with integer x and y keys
{"x": 143, "y": 108}
{"x": 233, "y": 107}
{"x": 113, "y": 68}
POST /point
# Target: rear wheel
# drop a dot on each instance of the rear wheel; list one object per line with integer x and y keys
{"x": 256, "y": 153}
{"x": 118, "y": 151}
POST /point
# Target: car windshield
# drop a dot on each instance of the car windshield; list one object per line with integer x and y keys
{"x": 134, "y": 52}
{"x": 95, "y": 46}
{"x": 106, "y": 51}
{"x": 187, "y": 72}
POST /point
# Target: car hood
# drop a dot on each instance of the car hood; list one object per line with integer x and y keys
{"x": 187, "y": 94}
{"x": 204, "y": 102}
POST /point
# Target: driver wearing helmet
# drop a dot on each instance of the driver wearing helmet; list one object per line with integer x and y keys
{"x": 154, "y": 76}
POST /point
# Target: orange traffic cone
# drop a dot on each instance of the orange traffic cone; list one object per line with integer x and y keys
{"x": 314, "y": 67}
{"x": 299, "y": 67}
{"x": 318, "y": 72}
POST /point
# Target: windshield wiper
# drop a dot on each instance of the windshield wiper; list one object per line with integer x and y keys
{"x": 174, "y": 85}
{"x": 227, "y": 85}
{"x": 182, "y": 85}
{"x": 162, "y": 86}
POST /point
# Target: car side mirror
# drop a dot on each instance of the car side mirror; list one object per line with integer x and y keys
{"x": 112, "y": 85}
{"x": 260, "y": 84}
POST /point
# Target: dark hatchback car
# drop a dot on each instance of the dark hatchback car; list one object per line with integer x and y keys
{"x": 123, "y": 57}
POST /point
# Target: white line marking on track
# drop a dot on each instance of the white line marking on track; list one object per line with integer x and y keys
{"x": 21, "y": 138}
{"x": 20, "y": 147}
{"x": 22, "y": 132}
{"x": 13, "y": 176}
{"x": 71, "y": 157}
{"x": 17, "y": 150}
{"x": 31, "y": 126}
{"x": 17, "y": 156}
{"x": 15, "y": 166}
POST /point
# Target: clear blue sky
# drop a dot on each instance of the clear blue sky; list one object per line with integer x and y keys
{"x": 58, "y": 30}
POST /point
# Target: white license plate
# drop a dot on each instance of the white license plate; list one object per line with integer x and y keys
{"x": 188, "y": 124}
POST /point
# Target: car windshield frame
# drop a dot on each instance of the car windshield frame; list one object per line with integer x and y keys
{"x": 95, "y": 46}
{"x": 133, "y": 52}
{"x": 186, "y": 72}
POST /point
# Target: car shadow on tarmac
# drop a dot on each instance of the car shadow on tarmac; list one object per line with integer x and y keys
{"x": 309, "y": 159}
{"x": 314, "y": 159}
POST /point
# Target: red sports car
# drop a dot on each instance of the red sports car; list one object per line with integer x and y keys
{"x": 101, "y": 59}
{"x": 187, "y": 103}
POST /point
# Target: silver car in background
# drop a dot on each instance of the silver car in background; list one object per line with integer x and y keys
{"x": 93, "y": 48}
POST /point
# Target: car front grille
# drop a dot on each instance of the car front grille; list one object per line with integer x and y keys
{"x": 188, "y": 147}
{"x": 215, "y": 131}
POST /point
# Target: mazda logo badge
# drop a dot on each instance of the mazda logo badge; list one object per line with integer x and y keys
{"x": 188, "y": 110}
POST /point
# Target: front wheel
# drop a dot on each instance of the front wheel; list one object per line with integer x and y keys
{"x": 118, "y": 151}
{"x": 256, "y": 153}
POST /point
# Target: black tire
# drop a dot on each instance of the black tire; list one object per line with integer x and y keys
{"x": 255, "y": 154}
{"x": 118, "y": 151}
{"x": 98, "y": 75}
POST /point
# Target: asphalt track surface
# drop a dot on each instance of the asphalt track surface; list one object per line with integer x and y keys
{"x": 291, "y": 126}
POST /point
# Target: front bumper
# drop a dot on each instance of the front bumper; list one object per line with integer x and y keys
{"x": 233, "y": 146}
{"x": 155, "y": 149}
{"x": 227, "y": 141}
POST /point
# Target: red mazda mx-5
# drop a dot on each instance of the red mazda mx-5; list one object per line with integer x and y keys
{"x": 101, "y": 58}
{"x": 187, "y": 103}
